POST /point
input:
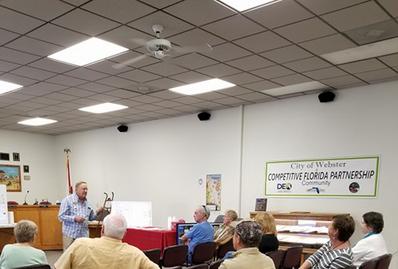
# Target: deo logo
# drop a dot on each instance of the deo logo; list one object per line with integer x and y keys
{"x": 284, "y": 186}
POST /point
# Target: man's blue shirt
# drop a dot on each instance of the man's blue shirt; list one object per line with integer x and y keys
{"x": 200, "y": 233}
{"x": 70, "y": 207}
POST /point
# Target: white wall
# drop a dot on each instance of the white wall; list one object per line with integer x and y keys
{"x": 361, "y": 121}
{"x": 159, "y": 161}
{"x": 37, "y": 151}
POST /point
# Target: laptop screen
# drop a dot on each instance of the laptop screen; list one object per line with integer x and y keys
{"x": 182, "y": 228}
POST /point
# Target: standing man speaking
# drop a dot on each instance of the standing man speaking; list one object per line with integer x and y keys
{"x": 74, "y": 213}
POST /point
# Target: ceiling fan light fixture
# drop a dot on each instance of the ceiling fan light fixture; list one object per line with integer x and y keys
{"x": 202, "y": 87}
{"x": 158, "y": 47}
{"x": 87, "y": 52}
{"x": 241, "y": 6}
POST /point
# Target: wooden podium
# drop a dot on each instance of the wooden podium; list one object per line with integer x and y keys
{"x": 6, "y": 236}
{"x": 49, "y": 227}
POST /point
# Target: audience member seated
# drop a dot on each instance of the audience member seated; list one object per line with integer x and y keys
{"x": 106, "y": 252}
{"x": 227, "y": 229}
{"x": 336, "y": 253}
{"x": 246, "y": 238}
{"x": 269, "y": 241}
{"x": 22, "y": 253}
{"x": 201, "y": 232}
{"x": 373, "y": 244}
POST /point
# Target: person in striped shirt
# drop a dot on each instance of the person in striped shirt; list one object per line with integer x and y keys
{"x": 336, "y": 253}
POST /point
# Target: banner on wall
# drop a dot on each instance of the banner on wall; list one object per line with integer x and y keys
{"x": 213, "y": 192}
{"x": 349, "y": 177}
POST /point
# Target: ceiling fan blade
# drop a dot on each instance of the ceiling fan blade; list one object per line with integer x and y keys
{"x": 139, "y": 41}
{"x": 168, "y": 58}
{"x": 204, "y": 48}
{"x": 129, "y": 61}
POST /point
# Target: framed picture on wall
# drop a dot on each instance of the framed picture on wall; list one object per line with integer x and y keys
{"x": 261, "y": 204}
{"x": 15, "y": 156}
{"x": 10, "y": 175}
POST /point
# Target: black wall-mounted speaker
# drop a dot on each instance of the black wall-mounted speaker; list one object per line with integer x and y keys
{"x": 326, "y": 96}
{"x": 203, "y": 116}
{"x": 122, "y": 128}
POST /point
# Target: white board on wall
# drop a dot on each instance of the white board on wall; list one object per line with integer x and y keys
{"x": 3, "y": 205}
{"x": 137, "y": 213}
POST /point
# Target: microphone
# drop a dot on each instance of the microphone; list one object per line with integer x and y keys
{"x": 27, "y": 192}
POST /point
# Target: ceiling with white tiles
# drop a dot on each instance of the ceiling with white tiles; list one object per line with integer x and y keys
{"x": 273, "y": 46}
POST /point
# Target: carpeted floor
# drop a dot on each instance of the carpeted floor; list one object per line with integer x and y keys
{"x": 52, "y": 256}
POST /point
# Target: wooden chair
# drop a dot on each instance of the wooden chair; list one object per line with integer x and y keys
{"x": 384, "y": 261}
{"x": 174, "y": 256}
{"x": 277, "y": 257}
{"x": 37, "y": 266}
{"x": 223, "y": 249}
{"x": 153, "y": 255}
{"x": 216, "y": 264}
{"x": 203, "y": 252}
{"x": 199, "y": 266}
{"x": 292, "y": 258}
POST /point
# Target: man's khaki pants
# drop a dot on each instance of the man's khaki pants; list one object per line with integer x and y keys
{"x": 67, "y": 241}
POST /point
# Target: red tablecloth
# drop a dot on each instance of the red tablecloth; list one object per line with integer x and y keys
{"x": 145, "y": 239}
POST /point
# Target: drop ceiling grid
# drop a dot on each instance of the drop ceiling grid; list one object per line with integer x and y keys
{"x": 58, "y": 89}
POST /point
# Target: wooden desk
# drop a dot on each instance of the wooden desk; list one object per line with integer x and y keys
{"x": 94, "y": 229}
{"x": 292, "y": 219}
{"x": 150, "y": 238}
{"x": 46, "y": 218}
{"x": 6, "y": 236}
{"x": 295, "y": 215}
{"x": 141, "y": 238}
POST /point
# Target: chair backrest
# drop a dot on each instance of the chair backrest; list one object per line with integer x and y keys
{"x": 224, "y": 248}
{"x": 174, "y": 256}
{"x": 153, "y": 255}
{"x": 371, "y": 264}
{"x": 199, "y": 266}
{"x": 37, "y": 266}
{"x": 384, "y": 261}
{"x": 219, "y": 219}
{"x": 292, "y": 257}
{"x": 216, "y": 264}
{"x": 277, "y": 256}
{"x": 203, "y": 252}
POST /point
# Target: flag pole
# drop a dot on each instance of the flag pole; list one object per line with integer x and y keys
{"x": 70, "y": 189}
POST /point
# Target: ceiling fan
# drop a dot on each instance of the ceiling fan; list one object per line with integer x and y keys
{"x": 161, "y": 48}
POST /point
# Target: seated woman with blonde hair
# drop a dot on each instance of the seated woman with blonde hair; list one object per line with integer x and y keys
{"x": 269, "y": 241}
{"x": 22, "y": 253}
{"x": 227, "y": 229}
{"x": 336, "y": 253}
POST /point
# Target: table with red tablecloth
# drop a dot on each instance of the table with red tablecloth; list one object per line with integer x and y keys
{"x": 149, "y": 238}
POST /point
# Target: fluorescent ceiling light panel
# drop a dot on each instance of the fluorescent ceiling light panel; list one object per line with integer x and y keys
{"x": 376, "y": 49}
{"x": 8, "y": 86}
{"x": 203, "y": 86}
{"x": 301, "y": 87}
{"x": 88, "y": 51}
{"x": 103, "y": 108}
{"x": 242, "y": 5}
{"x": 37, "y": 121}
